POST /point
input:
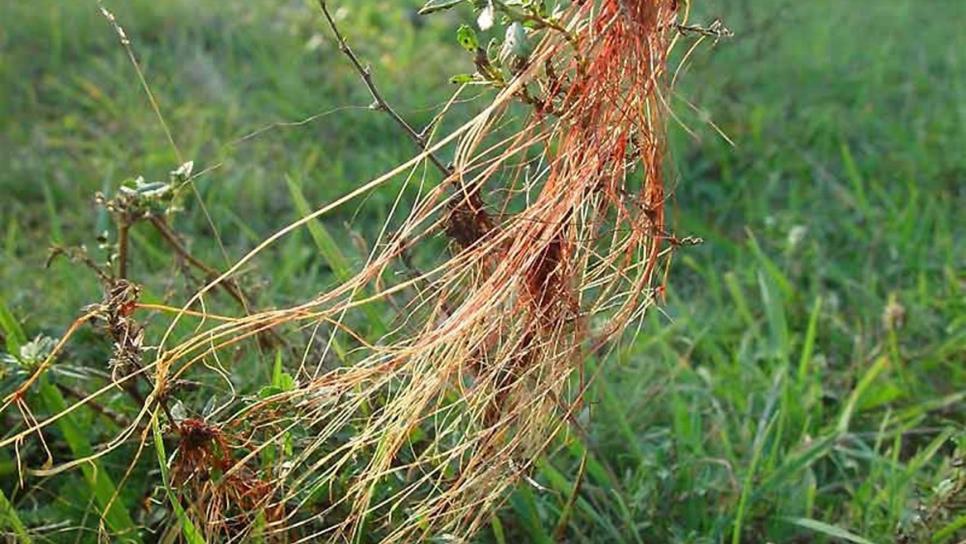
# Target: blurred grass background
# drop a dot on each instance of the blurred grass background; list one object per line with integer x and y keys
{"x": 806, "y": 379}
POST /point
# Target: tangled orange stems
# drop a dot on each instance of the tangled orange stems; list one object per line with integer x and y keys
{"x": 557, "y": 218}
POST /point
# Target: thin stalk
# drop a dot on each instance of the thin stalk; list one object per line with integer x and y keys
{"x": 122, "y": 247}
{"x": 561, "y": 530}
{"x": 379, "y": 102}
{"x": 172, "y": 240}
{"x": 473, "y": 200}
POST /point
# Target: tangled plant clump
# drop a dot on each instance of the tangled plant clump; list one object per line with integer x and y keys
{"x": 554, "y": 207}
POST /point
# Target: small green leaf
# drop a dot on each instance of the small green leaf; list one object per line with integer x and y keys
{"x": 269, "y": 391}
{"x": 432, "y": 6}
{"x": 281, "y": 379}
{"x": 462, "y": 79}
{"x": 467, "y": 38}
{"x": 14, "y": 334}
{"x": 131, "y": 185}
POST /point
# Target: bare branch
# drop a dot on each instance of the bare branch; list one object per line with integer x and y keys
{"x": 379, "y": 103}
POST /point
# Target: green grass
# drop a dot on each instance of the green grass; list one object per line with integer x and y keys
{"x": 776, "y": 397}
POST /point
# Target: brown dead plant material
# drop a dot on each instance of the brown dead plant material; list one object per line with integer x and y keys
{"x": 228, "y": 496}
{"x": 555, "y": 201}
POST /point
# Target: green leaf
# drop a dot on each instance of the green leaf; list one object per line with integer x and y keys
{"x": 746, "y": 488}
{"x": 9, "y": 519}
{"x": 324, "y": 241}
{"x": 524, "y": 505}
{"x": 611, "y": 407}
{"x": 462, "y": 79}
{"x": 15, "y": 336}
{"x": 432, "y": 6}
{"x": 828, "y": 530}
{"x": 281, "y": 379}
{"x": 467, "y": 38}
{"x": 809, "y": 345}
{"x": 795, "y": 463}
{"x": 864, "y": 383}
{"x": 498, "y": 534}
{"x": 774, "y": 315}
{"x": 188, "y": 529}
{"x": 330, "y": 250}
{"x": 565, "y": 487}
{"x": 269, "y": 391}
{"x": 950, "y": 529}
{"x": 102, "y": 487}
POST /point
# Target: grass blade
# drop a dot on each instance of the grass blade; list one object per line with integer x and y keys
{"x": 15, "y": 336}
{"x": 817, "y": 449}
{"x": 561, "y": 530}
{"x": 808, "y": 347}
{"x": 746, "y": 487}
{"x": 10, "y": 520}
{"x": 191, "y": 533}
{"x": 320, "y": 235}
{"x": 559, "y": 483}
{"x": 864, "y": 383}
{"x": 612, "y": 410}
{"x": 496, "y": 526}
{"x": 828, "y": 530}
{"x": 525, "y": 506}
{"x": 330, "y": 250}
{"x": 114, "y": 512}
{"x": 950, "y": 530}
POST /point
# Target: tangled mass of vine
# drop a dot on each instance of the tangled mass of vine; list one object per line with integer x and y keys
{"x": 552, "y": 206}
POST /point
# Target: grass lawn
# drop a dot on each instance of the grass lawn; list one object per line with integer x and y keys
{"x": 805, "y": 380}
